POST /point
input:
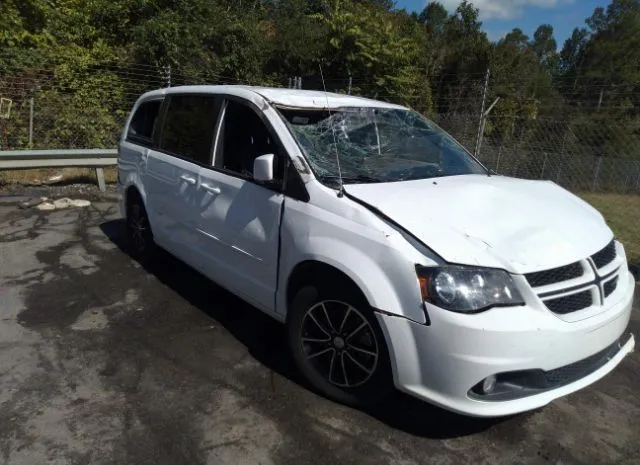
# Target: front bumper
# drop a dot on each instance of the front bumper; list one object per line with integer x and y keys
{"x": 442, "y": 362}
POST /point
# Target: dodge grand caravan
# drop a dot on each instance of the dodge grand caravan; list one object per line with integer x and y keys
{"x": 393, "y": 256}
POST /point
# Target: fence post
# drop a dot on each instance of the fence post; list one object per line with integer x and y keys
{"x": 350, "y": 82}
{"x": 596, "y": 174}
{"x": 638, "y": 178}
{"x": 166, "y": 75}
{"x": 482, "y": 117}
{"x": 31, "y": 122}
{"x": 483, "y": 123}
{"x": 544, "y": 164}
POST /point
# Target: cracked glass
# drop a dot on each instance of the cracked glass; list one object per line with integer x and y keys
{"x": 376, "y": 145}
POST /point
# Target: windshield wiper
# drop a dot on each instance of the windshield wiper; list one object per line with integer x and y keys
{"x": 361, "y": 178}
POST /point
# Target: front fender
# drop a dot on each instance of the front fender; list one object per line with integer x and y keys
{"x": 386, "y": 279}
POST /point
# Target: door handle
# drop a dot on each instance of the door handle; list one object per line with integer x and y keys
{"x": 188, "y": 179}
{"x": 210, "y": 188}
{"x": 144, "y": 156}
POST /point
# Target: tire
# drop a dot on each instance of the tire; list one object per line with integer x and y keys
{"x": 319, "y": 314}
{"x": 139, "y": 234}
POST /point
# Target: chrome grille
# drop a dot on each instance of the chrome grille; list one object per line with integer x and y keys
{"x": 570, "y": 303}
{"x": 610, "y": 286}
{"x": 605, "y": 256}
{"x": 591, "y": 282}
{"x": 555, "y": 275}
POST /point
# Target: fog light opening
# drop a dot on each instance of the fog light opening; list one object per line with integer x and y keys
{"x": 488, "y": 384}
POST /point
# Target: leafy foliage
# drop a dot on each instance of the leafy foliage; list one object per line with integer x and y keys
{"x": 95, "y": 56}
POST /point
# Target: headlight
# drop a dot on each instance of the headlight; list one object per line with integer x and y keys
{"x": 468, "y": 289}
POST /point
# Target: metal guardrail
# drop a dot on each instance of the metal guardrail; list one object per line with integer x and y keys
{"x": 75, "y": 158}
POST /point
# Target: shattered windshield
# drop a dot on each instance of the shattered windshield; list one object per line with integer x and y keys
{"x": 376, "y": 145}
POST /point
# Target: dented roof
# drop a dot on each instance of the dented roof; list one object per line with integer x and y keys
{"x": 279, "y": 96}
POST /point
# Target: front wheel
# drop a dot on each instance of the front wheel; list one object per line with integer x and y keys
{"x": 338, "y": 346}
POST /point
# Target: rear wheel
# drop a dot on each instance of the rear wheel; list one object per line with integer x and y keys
{"x": 139, "y": 233}
{"x": 338, "y": 345}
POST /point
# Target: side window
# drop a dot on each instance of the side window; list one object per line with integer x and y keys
{"x": 243, "y": 138}
{"x": 143, "y": 122}
{"x": 188, "y": 127}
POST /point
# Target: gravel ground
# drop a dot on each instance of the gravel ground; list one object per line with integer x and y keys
{"x": 105, "y": 362}
{"x": 81, "y": 190}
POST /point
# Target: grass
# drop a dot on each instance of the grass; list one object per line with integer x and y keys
{"x": 622, "y": 212}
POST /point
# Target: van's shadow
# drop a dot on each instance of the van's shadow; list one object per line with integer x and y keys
{"x": 265, "y": 340}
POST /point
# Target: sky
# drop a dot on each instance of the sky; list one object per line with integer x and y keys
{"x": 501, "y": 16}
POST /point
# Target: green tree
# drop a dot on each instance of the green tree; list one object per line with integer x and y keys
{"x": 434, "y": 47}
{"x": 366, "y": 42}
{"x": 459, "y": 84}
{"x": 434, "y": 17}
{"x": 545, "y": 48}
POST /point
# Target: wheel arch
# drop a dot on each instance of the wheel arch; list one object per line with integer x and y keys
{"x": 133, "y": 188}
{"x": 373, "y": 284}
{"x": 302, "y": 274}
{"x": 133, "y": 184}
{"x": 130, "y": 193}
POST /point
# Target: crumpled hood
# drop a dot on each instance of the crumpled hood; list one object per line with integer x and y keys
{"x": 494, "y": 221}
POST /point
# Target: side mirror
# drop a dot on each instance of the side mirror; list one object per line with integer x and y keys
{"x": 263, "y": 168}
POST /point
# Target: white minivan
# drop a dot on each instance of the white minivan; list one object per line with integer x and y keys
{"x": 392, "y": 255}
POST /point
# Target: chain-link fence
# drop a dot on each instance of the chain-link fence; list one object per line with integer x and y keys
{"x": 581, "y": 157}
{"x": 85, "y": 107}
{"x": 69, "y": 107}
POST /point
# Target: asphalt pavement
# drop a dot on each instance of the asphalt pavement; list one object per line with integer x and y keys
{"x": 105, "y": 362}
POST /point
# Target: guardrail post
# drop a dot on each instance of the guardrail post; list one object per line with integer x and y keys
{"x": 100, "y": 176}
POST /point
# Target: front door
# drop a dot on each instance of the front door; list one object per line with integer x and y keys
{"x": 239, "y": 219}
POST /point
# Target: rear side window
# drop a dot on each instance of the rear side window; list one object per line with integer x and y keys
{"x": 189, "y": 126}
{"x": 143, "y": 122}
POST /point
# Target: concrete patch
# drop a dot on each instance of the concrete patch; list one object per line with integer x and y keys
{"x": 245, "y": 436}
{"x": 61, "y": 204}
{"x": 46, "y": 206}
{"x": 92, "y": 319}
{"x": 97, "y": 318}
{"x": 77, "y": 258}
